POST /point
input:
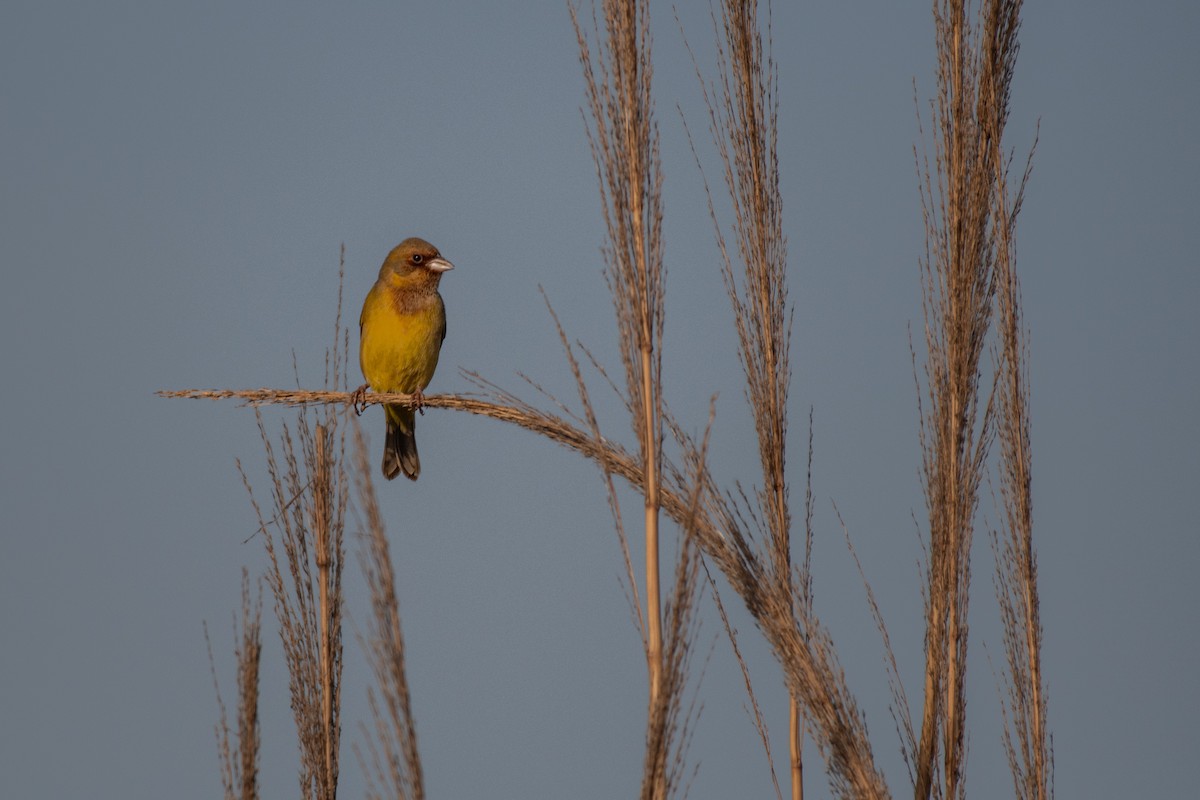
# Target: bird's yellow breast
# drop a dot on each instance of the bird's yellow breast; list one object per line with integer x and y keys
{"x": 401, "y": 335}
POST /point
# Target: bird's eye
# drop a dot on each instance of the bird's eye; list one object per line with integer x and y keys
{"x": 417, "y": 258}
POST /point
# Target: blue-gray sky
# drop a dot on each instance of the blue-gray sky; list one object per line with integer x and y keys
{"x": 177, "y": 181}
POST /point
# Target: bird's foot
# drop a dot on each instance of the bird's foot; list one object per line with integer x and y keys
{"x": 358, "y": 399}
{"x": 418, "y": 402}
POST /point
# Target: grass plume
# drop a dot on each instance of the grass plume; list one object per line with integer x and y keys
{"x": 392, "y": 762}
{"x": 239, "y": 761}
{"x": 623, "y": 135}
{"x": 743, "y": 111}
{"x": 1026, "y": 738}
{"x": 304, "y": 574}
{"x": 304, "y": 543}
{"x": 975, "y": 61}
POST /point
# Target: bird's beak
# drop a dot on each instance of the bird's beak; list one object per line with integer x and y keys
{"x": 438, "y": 265}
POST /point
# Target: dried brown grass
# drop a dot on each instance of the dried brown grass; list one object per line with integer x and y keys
{"x": 309, "y": 491}
{"x": 239, "y": 759}
{"x": 309, "y": 494}
{"x": 615, "y": 54}
{"x": 1026, "y": 739}
{"x": 671, "y": 721}
{"x": 391, "y": 759}
{"x": 624, "y": 140}
{"x": 960, "y": 274}
{"x": 743, "y": 120}
{"x": 722, "y": 532}
{"x": 967, "y": 272}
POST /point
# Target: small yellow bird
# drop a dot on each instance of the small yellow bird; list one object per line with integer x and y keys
{"x": 401, "y": 329}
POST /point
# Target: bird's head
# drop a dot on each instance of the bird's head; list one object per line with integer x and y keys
{"x": 414, "y": 262}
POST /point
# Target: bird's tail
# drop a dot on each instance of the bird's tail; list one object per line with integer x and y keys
{"x": 400, "y": 448}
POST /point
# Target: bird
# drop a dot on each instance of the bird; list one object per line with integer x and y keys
{"x": 401, "y": 330}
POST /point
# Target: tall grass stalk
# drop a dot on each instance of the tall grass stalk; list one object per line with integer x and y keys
{"x": 743, "y": 119}
{"x": 624, "y": 140}
{"x": 975, "y": 59}
{"x": 391, "y": 762}
{"x": 1026, "y": 740}
{"x": 309, "y": 491}
{"x": 671, "y": 721}
{"x": 239, "y": 761}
